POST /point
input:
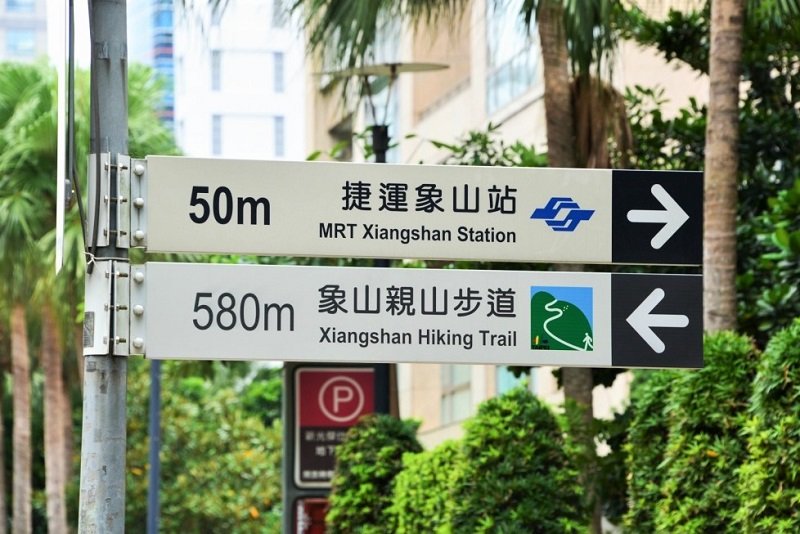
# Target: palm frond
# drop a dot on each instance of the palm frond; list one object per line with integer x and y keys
{"x": 345, "y": 34}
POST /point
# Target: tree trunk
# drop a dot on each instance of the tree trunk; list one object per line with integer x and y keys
{"x": 558, "y": 110}
{"x": 54, "y": 435}
{"x": 561, "y": 152}
{"x": 3, "y": 507}
{"x": 21, "y": 443}
{"x": 722, "y": 165}
{"x": 69, "y": 438}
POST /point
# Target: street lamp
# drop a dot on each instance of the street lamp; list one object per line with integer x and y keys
{"x": 380, "y": 128}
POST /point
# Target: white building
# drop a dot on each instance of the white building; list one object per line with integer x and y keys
{"x": 23, "y": 30}
{"x": 239, "y": 82}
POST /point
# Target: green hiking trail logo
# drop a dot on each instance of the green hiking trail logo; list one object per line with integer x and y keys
{"x": 561, "y": 318}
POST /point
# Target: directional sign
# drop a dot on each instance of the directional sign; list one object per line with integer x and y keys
{"x": 419, "y": 211}
{"x": 329, "y": 401}
{"x": 252, "y": 312}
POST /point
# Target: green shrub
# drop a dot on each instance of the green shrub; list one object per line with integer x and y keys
{"x": 645, "y": 447}
{"x": 422, "y": 499}
{"x": 366, "y": 464}
{"x": 707, "y": 410}
{"x": 516, "y": 476}
{"x": 769, "y": 481}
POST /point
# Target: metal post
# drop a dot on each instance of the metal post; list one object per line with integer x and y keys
{"x": 380, "y": 142}
{"x": 154, "y": 431}
{"x": 103, "y": 443}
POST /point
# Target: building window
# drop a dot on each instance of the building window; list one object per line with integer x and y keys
{"x": 279, "y": 14}
{"x": 511, "y": 56}
{"x": 279, "y": 137}
{"x": 216, "y": 135}
{"x": 506, "y": 381}
{"x": 20, "y": 43}
{"x": 216, "y": 70}
{"x": 20, "y": 6}
{"x": 162, "y": 18}
{"x": 456, "y": 394}
{"x": 277, "y": 72}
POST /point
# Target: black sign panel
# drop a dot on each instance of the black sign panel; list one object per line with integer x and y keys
{"x": 657, "y": 217}
{"x": 657, "y": 320}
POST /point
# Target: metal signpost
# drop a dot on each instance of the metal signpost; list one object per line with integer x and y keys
{"x": 348, "y": 314}
{"x": 419, "y": 211}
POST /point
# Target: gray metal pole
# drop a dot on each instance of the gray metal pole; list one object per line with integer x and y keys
{"x": 103, "y": 443}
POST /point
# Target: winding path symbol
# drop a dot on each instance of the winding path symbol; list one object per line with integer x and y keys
{"x": 559, "y": 312}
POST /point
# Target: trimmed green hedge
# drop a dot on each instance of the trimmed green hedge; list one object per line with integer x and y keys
{"x": 769, "y": 481}
{"x": 366, "y": 464}
{"x": 422, "y": 499}
{"x": 516, "y": 476}
{"x": 707, "y": 409}
{"x": 645, "y": 447}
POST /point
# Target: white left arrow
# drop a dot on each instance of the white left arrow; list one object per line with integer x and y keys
{"x": 643, "y": 321}
{"x": 673, "y": 216}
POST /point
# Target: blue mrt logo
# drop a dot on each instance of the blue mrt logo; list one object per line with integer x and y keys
{"x": 570, "y": 220}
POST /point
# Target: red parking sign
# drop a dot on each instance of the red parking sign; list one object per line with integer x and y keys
{"x": 329, "y": 400}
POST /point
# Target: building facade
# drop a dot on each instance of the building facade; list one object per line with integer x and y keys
{"x": 239, "y": 82}
{"x": 23, "y": 30}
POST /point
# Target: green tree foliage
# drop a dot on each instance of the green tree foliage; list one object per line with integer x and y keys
{"x": 778, "y": 233}
{"x": 516, "y": 476}
{"x": 422, "y": 500}
{"x": 484, "y": 147}
{"x": 366, "y": 465}
{"x": 263, "y": 394}
{"x": 220, "y": 465}
{"x": 769, "y": 480}
{"x": 645, "y": 446}
{"x": 708, "y": 409}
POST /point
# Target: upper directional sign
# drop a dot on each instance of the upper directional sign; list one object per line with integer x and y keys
{"x": 418, "y": 211}
{"x": 254, "y": 312}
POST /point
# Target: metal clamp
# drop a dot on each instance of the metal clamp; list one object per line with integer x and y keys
{"x": 107, "y": 305}
{"x": 105, "y": 201}
{"x": 122, "y": 201}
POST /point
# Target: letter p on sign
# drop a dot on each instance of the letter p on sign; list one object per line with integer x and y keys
{"x": 341, "y": 399}
{"x": 341, "y": 394}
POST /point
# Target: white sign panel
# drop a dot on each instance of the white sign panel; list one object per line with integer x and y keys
{"x": 421, "y": 211}
{"x": 255, "y": 312}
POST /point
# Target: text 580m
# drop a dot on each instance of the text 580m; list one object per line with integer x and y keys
{"x": 226, "y": 311}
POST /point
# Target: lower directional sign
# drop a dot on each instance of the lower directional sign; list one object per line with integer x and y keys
{"x": 257, "y": 312}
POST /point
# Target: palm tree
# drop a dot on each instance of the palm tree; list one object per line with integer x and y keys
{"x": 25, "y": 211}
{"x": 721, "y": 165}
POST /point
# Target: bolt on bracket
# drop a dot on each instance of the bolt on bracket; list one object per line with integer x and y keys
{"x": 138, "y": 213}
{"x": 138, "y": 303}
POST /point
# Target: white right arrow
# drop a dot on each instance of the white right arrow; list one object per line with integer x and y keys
{"x": 643, "y": 321}
{"x": 672, "y": 216}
